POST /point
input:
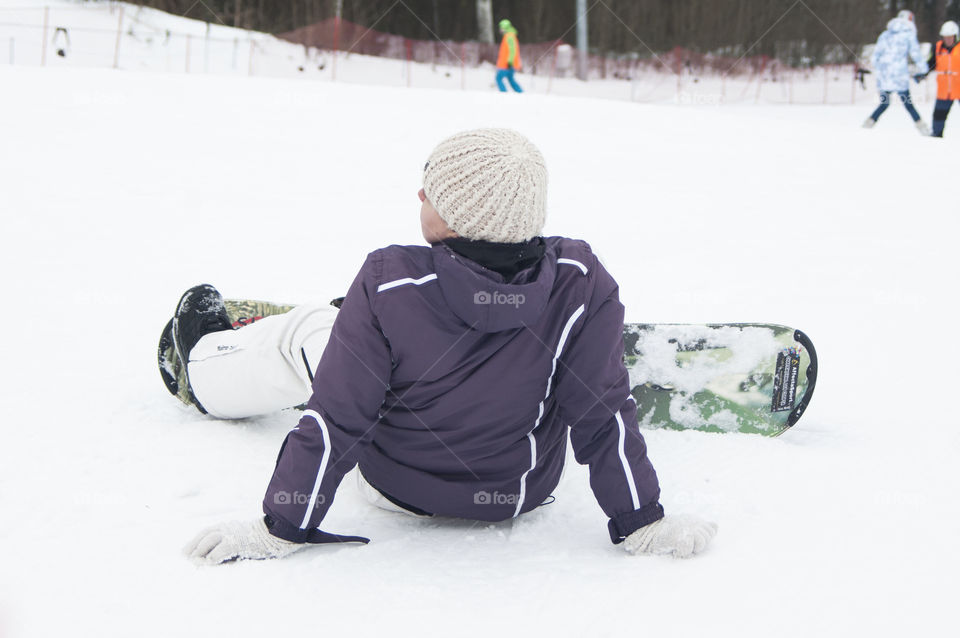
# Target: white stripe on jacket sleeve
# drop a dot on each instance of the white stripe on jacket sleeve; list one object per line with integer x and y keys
{"x": 406, "y": 280}
{"x": 323, "y": 465}
{"x": 573, "y": 262}
{"x": 623, "y": 461}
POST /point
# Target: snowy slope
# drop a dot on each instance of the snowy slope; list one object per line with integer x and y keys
{"x": 151, "y": 40}
{"x": 119, "y": 190}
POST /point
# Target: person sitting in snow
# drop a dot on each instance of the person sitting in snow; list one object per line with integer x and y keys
{"x": 450, "y": 376}
{"x": 896, "y": 46}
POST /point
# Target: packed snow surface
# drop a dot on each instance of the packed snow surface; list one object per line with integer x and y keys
{"x": 120, "y": 189}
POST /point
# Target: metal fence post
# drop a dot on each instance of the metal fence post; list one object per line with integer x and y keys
{"x": 43, "y": 48}
{"x": 116, "y": 50}
{"x": 409, "y": 46}
{"x": 206, "y": 50}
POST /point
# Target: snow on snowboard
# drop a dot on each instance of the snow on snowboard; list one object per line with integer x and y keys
{"x": 736, "y": 377}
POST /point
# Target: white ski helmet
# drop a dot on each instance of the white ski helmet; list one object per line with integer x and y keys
{"x": 906, "y": 15}
{"x": 950, "y": 28}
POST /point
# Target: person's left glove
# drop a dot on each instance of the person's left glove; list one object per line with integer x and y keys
{"x": 238, "y": 540}
{"x": 679, "y": 536}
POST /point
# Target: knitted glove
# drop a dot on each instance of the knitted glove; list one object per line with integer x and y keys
{"x": 679, "y": 536}
{"x": 236, "y": 541}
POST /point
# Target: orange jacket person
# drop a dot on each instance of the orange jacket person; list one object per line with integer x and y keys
{"x": 509, "y": 59}
{"x": 946, "y": 62}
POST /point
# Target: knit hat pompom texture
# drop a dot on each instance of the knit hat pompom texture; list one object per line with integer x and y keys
{"x": 488, "y": 184}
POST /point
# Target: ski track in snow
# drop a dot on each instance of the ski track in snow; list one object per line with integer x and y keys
{"x": 121, "y": 189}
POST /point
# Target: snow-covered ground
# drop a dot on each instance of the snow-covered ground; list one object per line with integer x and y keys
{"x": 120, "y": 189}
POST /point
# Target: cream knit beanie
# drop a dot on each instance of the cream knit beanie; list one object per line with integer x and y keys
{"x": 488, "y": 184}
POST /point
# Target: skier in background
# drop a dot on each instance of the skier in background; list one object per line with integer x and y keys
{"x": 945, "y": 60}
{"x": 509, "y": 59}
{"x": 895, "y": 48}
{"x": 450, "y": 377}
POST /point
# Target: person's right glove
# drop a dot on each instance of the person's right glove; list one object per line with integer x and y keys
{"x": 679, "y": 536}
{"x": 238, "y": 540}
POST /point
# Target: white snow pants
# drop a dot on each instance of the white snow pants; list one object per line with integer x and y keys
{"x": 262, "y": 367}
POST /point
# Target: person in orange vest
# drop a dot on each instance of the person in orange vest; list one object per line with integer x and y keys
{"x": 509, "y": 59}
{"x": 946, "y": 62}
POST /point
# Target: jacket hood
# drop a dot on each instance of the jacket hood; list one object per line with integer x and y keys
{"x": 899, "y": 25}
{"x": 484, "y": 300}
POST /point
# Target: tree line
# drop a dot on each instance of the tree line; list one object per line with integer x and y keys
{"x": 791, "y": 30}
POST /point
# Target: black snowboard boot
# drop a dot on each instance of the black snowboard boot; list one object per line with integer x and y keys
{"x": 167, "y": 359}
{"x": 200, "y": 312}
{"x": 172, "y": 370}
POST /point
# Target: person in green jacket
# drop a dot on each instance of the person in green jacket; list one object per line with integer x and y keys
{"x": 509, "y": 59}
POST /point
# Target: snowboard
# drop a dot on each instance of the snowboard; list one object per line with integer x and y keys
{"x": 737, "y": 377}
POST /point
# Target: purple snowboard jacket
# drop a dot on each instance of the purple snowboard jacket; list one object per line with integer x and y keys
{"x": 454, "y": 389}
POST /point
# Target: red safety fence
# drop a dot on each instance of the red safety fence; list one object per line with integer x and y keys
{"x": 543, "y": 58}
